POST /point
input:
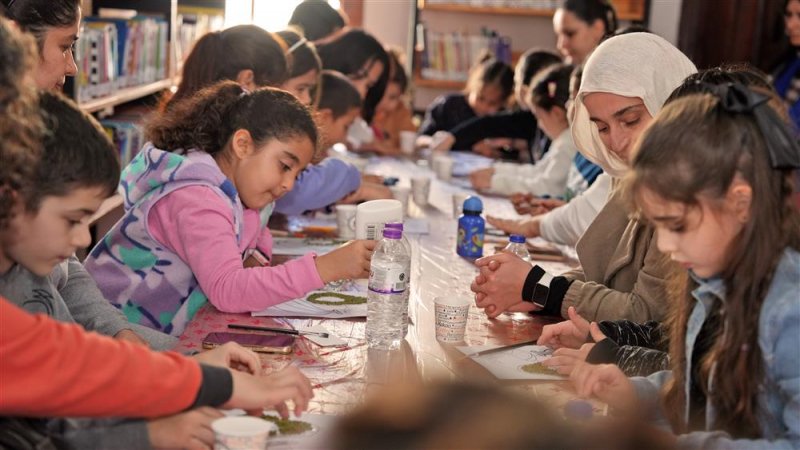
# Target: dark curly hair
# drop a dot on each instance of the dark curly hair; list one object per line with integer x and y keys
{"x": 207, "y": 120}
{"x": 20, "y": 124}
{"x": 76, "y": 153}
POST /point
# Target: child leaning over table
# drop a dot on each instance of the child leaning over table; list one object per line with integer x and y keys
{"x": 192, "y": 200}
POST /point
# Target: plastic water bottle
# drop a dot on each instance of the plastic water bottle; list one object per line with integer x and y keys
{"x": 387, "y": 304}
{"x": 471, "y": 229}
{"x": 517, "y": 246}
{"x": 407, "y": 246}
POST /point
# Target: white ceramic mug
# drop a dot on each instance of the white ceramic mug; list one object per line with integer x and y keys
{"x": 346, "y": 221}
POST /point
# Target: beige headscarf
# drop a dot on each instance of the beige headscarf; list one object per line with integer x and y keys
{"x": 639, "y": 65}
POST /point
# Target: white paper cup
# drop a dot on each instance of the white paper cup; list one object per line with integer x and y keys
{"x": 443, "y": 165}
{"x": 458, "y": 203}
{"x": 346, "y": 221}
{"x": 408, "y": 141}
{"x": 420, "y": 188}
{"x": 401, "y": 193}
{"x": 451, "y": 313}
{"x": 241, "y": 433}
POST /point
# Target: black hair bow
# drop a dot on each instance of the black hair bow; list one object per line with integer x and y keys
{"x": 782, "y": 145}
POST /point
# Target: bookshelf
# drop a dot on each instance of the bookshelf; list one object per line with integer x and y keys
{"x": 527, "y": 23}
{"x": 631, "y": 10}
{"x": 123, "y": 102}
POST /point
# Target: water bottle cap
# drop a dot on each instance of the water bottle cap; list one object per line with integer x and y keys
{"x": 395, "y": 225}
{"x": 473, "y": 204}
{"x": 392, "y": 233}
{"x": 517, "y": 238}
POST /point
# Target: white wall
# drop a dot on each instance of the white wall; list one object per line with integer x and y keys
{"x": 665, "y": 18}
{"x": 390, "y": 21}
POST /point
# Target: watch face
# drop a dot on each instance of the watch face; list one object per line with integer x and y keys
{"x": 540, "y": 293}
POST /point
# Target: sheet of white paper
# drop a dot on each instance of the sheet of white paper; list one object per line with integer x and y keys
{"x": 301, "y": 246}
{"x": 466, "y": 162}
{"x": 512, "y": 364}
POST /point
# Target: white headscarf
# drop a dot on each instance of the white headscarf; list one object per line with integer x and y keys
{"x": 639, "y": 65}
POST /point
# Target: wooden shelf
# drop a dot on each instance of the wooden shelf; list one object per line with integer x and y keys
{"x": 496, "y": 10}
{"x": 626, "y": 10}
{"x": 125, "y": 95}
{"x": 439, "y": 84}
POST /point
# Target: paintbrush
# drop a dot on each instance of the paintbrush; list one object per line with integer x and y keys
{"x": 236, "y": 326}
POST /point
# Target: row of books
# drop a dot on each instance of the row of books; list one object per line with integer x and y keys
{"x": 117, "y": 53}
{"x": 450, "y": 56}
{"x": 127, "y": 135}
{"x": 194, "y": 23}
{"x": 531, "y": 4}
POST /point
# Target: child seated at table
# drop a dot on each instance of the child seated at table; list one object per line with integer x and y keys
{"x": 192, "y": 211}
{"x": 557, "y": 173}
{"x": 488, "y": 89}
{"x": 713, "y": 173}
{"x": 332, "y": 179}
{"x": 392, "y": 115}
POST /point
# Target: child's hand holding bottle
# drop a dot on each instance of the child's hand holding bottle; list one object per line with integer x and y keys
{"x": 350, "y": 261}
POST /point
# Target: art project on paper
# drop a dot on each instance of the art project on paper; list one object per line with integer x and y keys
{"x": 334, "y": 301}
{"x": 521, "y": 363}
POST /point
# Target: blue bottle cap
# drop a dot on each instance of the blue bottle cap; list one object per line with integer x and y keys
{"x": 392, "y": 233}
{"x": 395, "y": 225}
{"x": 473, "y": 204}
{"x": 517, "y": 239}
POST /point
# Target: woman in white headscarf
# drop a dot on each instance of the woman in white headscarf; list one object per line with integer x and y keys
{"x": 622, "y": 275}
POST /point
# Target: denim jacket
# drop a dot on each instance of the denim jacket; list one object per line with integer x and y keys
{"x": 779, "y": 340}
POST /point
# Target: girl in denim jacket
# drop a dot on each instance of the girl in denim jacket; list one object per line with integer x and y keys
{"x": 713, "y": 174}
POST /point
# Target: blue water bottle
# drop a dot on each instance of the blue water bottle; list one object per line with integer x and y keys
{"x": 471, "y": 228}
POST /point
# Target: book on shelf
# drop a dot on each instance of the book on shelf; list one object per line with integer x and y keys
{"x": 450, "y": 56}
{"x": 127, "y": 136}
{"x": 113, "y": 54}
{"x": 193, "y": 23}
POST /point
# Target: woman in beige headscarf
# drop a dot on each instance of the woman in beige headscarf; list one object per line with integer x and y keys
{"x": 622, "y": 274}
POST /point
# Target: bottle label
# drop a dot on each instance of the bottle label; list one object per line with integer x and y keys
{"x": 470, "y": 239}
{"x": 374, "y": 231}
{"x": 388, "y": 280}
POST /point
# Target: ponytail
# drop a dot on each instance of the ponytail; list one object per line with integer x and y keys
{"x": 207, "y": 120}
{"x": 551, "y": 88}
{"x": 221, "y": 55}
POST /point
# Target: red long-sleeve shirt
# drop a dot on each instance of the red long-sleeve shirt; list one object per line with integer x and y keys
{"x": 48, "y": 368}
